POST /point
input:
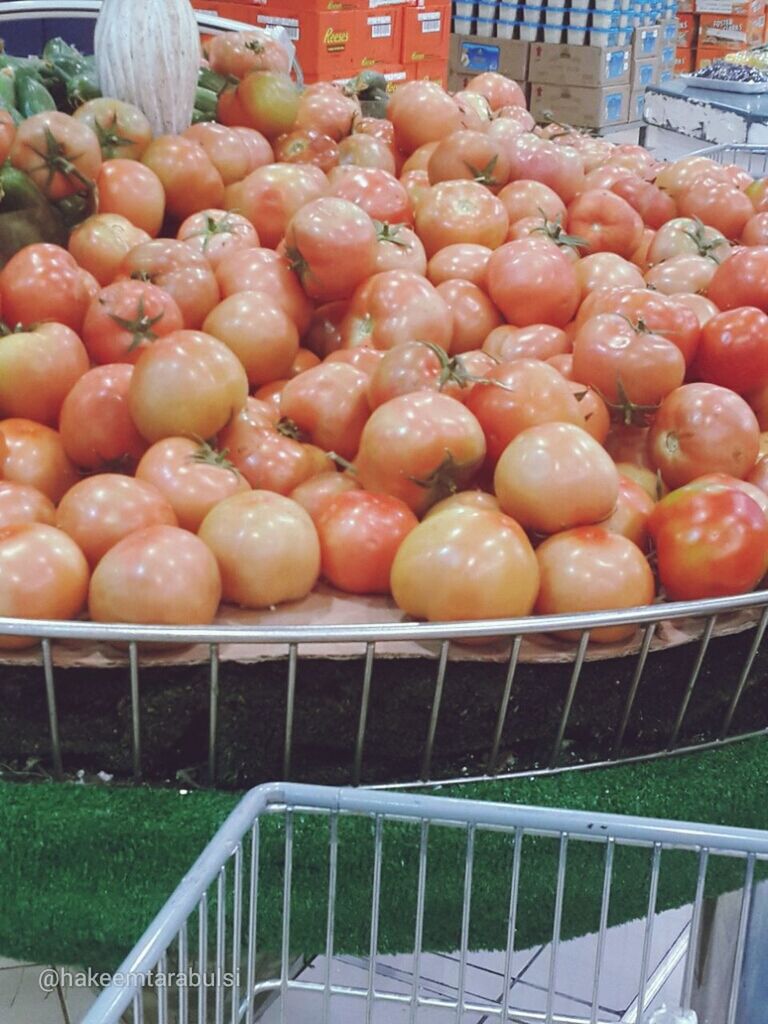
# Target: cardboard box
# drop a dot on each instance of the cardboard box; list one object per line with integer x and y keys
{"x": 326, "y": 43}
{"x": 705, "y": 55}
{"x": 636, "y": 104}
{"x": 644, "y": 73}
{"x": 666, "y": 75}
{"x": 429, "y": 71}
{"x": 687, "y": 30}
{"x": 686, "y": 6}
{"x": 666, "y": 58}
{"x": 426, "y": 33}
{"x": 669, "y": 32}
{"x": 581, "y": 66}
{"x": 379, "y": 35}
{"x": 685, "y": 61}
{"x": 736, "y": 7}
{"x": 581, "y": 107}
{"x": 471, "y": 55}
{"x": 646, "y": 40}
{"x": 732, "y": 31}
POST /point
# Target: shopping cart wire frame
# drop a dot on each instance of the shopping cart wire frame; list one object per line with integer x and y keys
{"x": 169, "y": 938}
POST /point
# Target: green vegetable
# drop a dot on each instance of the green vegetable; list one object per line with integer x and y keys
{"x": 7, "y": 89}
{"x": 209, "y": 79}
{"x": 32, "y": 95}
{"x": 25, "y": 215}
{"x": 82, "y": 87}
{"x": 202, "y": 117}
{"x": 206, "y": 101}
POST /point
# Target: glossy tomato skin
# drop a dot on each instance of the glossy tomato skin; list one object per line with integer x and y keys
{"x": 537, "y": 341}
{"x": 459, "y": 212}
{"x": 474, "y": 315}
{"x": 127, "y": 317}
{"x": 533, "y": 282}
{"x": 73, "y": 142}
{"x": 271, "y": 195}
{"x": 100, "y": 244}
{"x": 399, "y": 248}
{"x": 38, "y": 369}
{"x": 329, "y": 404}
{"x": 607, "y": 270}
{"x": 190, "y": 180}
{"x": 261, "y": 270}
{"x": 422, "y": 112}
{"x": 375, "y": 191}
{"x": 259, "y": 332}
{"x": 360, "y": 534}
{"x": 314, "y": 494}
{"x": 741, "y": 280}
{"x": 178, "y": 270}
{"x": 134, "y": 191}
{"x": 21, "y": 504}
{"x": 718, "y": 205}
{"x": 684, "y": 273}
{"x": 591, "y": 569}
{"x": 733, "y": 351}
{"x": 606, "y": 223}
{"x": 709, "y": 542}
{"x": 215, "y": 233}
{"x": 34, "y": 454}
{"x": 524, "y": 198}
{"x": 95, "y": 424}
{"x": 466, "y": 262}
{"x": 703, "y": 428}
{"x": 394, "y": 307}
{"x": 43, "y": 282}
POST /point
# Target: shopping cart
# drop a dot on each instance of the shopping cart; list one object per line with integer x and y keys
{"x": 280, "y": 884}
{"x": 754, "y": 159}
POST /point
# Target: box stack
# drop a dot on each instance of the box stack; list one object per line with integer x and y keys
{"x": 337, "y": 39}
{"x": 708, "y": 30}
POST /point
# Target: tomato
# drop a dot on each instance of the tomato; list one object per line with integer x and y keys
{"x": 463, "y": 564}
{"x": 633, "y": 509}
{"x": 261, "y": 270}
{"x": 460, "y": 212}
{"x": 270, "y": 196}
{"x": 559, "y": 167}
{"x": 328, "y": 403}
{"x": 419, "y": 159}
{"x": 234, "y": 152}
{"x": 606, "y": 222}
{"x": 377, "y": 128}
{"x": 703, "y": 308}
{"x": 43, "y": 575}
{"x": 555, "y": 476}
{"x": 607, "y": 270}
{"x": 420, "y": 448}
{"x": 126, "y": 318}
{"x": 377, "y": 192}
{"x": 463, "y": 261}
{"x": 630, "y": 367}
{"x": 499, "y": 90}
{"x": 519, "y": 395}
{"x": 37, "y": 369}
{"x": 259, "y": 332}
{"x": 416, "y": 366}
{"x": 122, "y": 129}
{"x": 741, "y": 280}
{"x": 177, "y": 269}
{"x": 684, "y": 236}
{"x": 675, "y": 178}
{"x": 266, "y": 547}
{"x": 733, "y": 351}
{"x": 34, "y": 455}
{"x": 332, "y": 247}
{"x": 399, "y": 248}
{"x": 325, "y": 108}
{"x": 593, "y": 409}
{"x": 703, "y": 428}
{"x": 161, "y": 576}
{"x": 7, "y": 134}
{"x": 640, "y": 256}
{"x": 471, "y": 156}
{"x": 95, "y": 425}
{"x": 716, "y": 481}
{"x": 391, "y": 308}
{"x": 758, "y": 477}
{"x": 230, "y": 110}
{"x": 238, "y": 53}
{"x": 682, "y": 274}
{"x": 465, "y": 499}
{"x": 654, "y": 206}
{"x": 422, "y": 112}
{"x": 592, "y": 569}
{"x": 563, "y": 363}
{"x": 367, "y": 151}
{"x": 324, "y": 333}
{"x": 474, "y": 315}
{"x": 214, "y": 234}
{"x": 61, "y": 155}
{"x": 188, "y": 384}
{"x": 709, "y": 542}
{"x": 416, "y": 184}
{"x": 134, "y": 191}
{"x": 190, "y": 180}
{"x": 362, "y": 358}
{"x": 271, "y": 102}
{"x": 101, "y": 243}
{"x": 43, "y": 282}
{"x": 717, "y": 204}
{"x": 538, "y": 341}
{"x": 314, "y": 494}
{"x": 533, "y": 282}
{"x": 306, "y": 146}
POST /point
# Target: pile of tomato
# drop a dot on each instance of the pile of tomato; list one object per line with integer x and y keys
{"x": 487, "y": 369}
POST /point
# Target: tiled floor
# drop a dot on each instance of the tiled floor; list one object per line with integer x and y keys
{"x": 28, "y": 995}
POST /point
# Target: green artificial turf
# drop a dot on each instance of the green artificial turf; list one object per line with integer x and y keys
{"x": 84, "y": 868}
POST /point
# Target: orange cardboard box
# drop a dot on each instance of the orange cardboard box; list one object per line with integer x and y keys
{"x": 685, "y": 59}
{"x": 731, "y": 31}
{"x": 431, "y": 71}
{"x": 379, "y": 35}
{"x": 327, "y": 43}
{"x": 705, "y": 55}
{"x": 426, "y": 33}
{"x": 687, "y": 28}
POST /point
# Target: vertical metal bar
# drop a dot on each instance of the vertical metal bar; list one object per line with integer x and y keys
{"x": 437, "y": 700}
{"x": 756, "y": 642}
{"x": 491, "y": 767}
{"x": 642, "y": 657}
{"x": 183, "y": 972}
{"x": 333, "y": 861}
{"x": 649, "y": 922}
{"x": 253, "y": 900}
{"x": 418, "y": 940}
{"x": 693, "y": 934}
{"x": 213, "y": 714}
{"x": 221, "y": 907}
{"x": 707, "y": 636}
{"x": 556, "y": 925}
{"x": 469, "y": 861}
{"x": 138, "y": 1007}
{"x": 286, "y": 933}
{"x": 375, "y": 909}
{"x": 514, "y": 893}
{"x": 133, "y": 663}
{"x": 577, "y": 666}
{"x": 290, "y": 700}
{"x": 53, "y": 715}
{"x": 370, "y": 653}
{"x": 237, "y": 932}
{"x": 610, "y": 847}
{"x": 202, "y": 956}
{"x": 161, "y": 990}
{"x": 738, "y": 960}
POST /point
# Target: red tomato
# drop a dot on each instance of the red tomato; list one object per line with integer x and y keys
{"x": 471, "y": 156}
{"x": 633, "y": 509}
{"x": 261, "y": 270}
{"x": 189, "y": 384}
{"x": 420, "y": 447}
{"x": 324, "y": 333}
{"x": 526, "y": 198}
{"x": 474, "y": 315}
{"x": 178, "y": 270}
{"x": 733, "y": 350}
{"x": 360, "y": 534}
{"x": 681, "y": 274}
{"x": 362, "y": 150}
{"x": 709, "y": 542}
{"x": 654, "y": 206}
{"x": 239, "y": 53}
{"x": 306, "y": 146}
{"x": 259, "y": 332}
{"x": 43, "y": 282}
{"x": 703, "y": 308}
{"x": 539, "y": 341}
{"x": 416, "y": 366}
{"x": 43, "y": 575}
{"x": 606, "y": 222}
{"x": 37, "y": 370}
{"x": 328, "y": 403}
{"x": 362, "y": 358}
{"x": 214, "y": 234}
{"x": 416, "y": 184}
{"x": 460, "y": 212}
{"x": 270, "y": 196}
{"x": 325, "y": 108}
{"x": 101, "y": 243}
{"x": 419, "y": 159}
{"x": 559, "y": 167}
{"x": 271, "y": 101}
{"x": 122, "y": 129}
{"x": 463, "y": 261}
{"x": 377, "y": 192}
{"x": 95, "y": 425}
{"x": 391, "y": 308}
{"x": 594, "y": 411}
{"x": 422, "y": 112}
{"x": 592, "y": 569}
{"x": 717, "y": 204}
{"x": 703, "y": 428}
{"x": 314, "y": 494}
{"x": 756, "y": 230}
{"x": 533, "y": 282}
{"x": 305, "y": 360}
{"x": 741, "y": 280}
{"x": 399, "y": 248}
{"x": 132, "y": 190}
{"x": 331, "y": 244}
{"x": 21, "y": 504}
{"x": 607, "y": 270}
{"x": 190, "y": 180}
{"x": 499, "y": 90}
{"x": 35, "y": 455}
{"x": 675, "y": 178}
{"x": 684, "y": 236}
{"x": 234, "y": 152}
{"x": 161, "y": 575}
{"x": 61, "y": 155}
{"x": 126, "y": 318}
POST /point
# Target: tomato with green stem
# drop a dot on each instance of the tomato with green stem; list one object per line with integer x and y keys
{"x": 61, "y": 155}
{"x": 214, "y": 234}
{"x": 328, "y": 405}
{"x": 101, "y": 243}
{"x": 177, "y": 269}
{"x": 127, "y": 317}
{"x": 123, "y": 131}
{"x": 394, "y": 307}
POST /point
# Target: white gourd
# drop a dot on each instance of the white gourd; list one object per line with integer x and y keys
{"x": 148, "y": 53}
